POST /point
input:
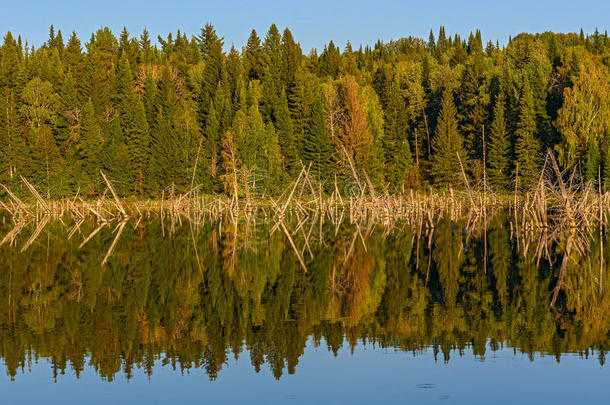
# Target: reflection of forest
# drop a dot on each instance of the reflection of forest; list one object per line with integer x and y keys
{"x": 199, "y": 296}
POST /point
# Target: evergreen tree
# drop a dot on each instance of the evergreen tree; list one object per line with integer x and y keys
{"x": 274, "y": 178}
{"x": 474, "y": 101}
{"x": 317, "y": 145}
{"x": 137, "y": 142}
{"x": 67, "y": 115}
{"x": 286, "y": 136}
{"x": 255, "y": 60}
{"x": 212, "y": 143}
{"x": 89, "y": 152}
{"x": 527, "y": 146}
{"x": 213, "y": 56}
{"x": 291, "y": 59}
{"x": 498, "y": 159}
{"x": 447, "y": 146}
{"x": 10, "y": 61}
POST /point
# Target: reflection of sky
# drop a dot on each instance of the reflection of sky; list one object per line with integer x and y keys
{"x": 369, "y": 376}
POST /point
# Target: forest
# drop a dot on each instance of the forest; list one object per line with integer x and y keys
{"x": 411, "y": 113}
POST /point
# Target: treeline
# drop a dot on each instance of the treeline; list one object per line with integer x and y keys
{"x": 242, "y": 293}
{"x": 403, "y": 114}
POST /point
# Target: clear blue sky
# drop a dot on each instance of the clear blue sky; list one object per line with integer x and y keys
{"x": 312, "y": 22}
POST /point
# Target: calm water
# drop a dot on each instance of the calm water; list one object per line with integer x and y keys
{"x": 158, "y": 312}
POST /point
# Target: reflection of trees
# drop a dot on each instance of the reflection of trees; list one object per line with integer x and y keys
{"x": 198, "y": 297}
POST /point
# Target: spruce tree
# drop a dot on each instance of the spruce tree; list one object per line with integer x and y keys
{"x": 255, "y": 60}
{"x": 527, "y": 146}
{"x": 473, "y": 101}
{"x": 274, "y": 175}
{"x": 10, "y": 61}
{"x": 89, "y": 154}
{"x": 397, "y": 151}
{"x": 137, "y": 142}
{"x": 498, "y": 149}
{"x": 213, "y": 56}
{"x": 317, "y": 145}
{"x": 291, "y": 59}
{"x": 447, "y": 145}
{"x": 285, "y": 130}
{"x": 212, "y": 144}
{"x": 67, "y": 117}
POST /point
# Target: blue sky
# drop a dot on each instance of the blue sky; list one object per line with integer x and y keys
{"x": 312, "y": 22}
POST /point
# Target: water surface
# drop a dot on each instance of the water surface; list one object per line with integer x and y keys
{"x": 225, "y": 311}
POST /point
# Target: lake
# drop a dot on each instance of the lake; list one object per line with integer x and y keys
{"x": 243, "y": 311}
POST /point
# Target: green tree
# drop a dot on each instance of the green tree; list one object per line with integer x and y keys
{"x": 527, "y": 146}
{"x": 90, "y": 151}
{"x": 498, "y": 158}
{"x": 447, "y": 146}
{"x": 317, "y": 145}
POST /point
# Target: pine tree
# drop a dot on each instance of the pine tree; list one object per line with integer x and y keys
{"x": 527, "y": 146}
{"x": 447, "y": 146}
{"x": 498, "y": 149}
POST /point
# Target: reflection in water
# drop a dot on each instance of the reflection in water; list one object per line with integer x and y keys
{"x": 133, "y": 294}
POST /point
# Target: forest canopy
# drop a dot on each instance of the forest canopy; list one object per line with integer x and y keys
{"x": 183, "y": 111}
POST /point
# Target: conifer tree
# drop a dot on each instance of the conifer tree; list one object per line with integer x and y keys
{"x": 291, "y": 59}
{"x": 447, "y": 146}
{"x": 67, "y": 114}
{"x": 286, "y": 136}
{"x": 317, "y": 145}
{"x": 89, "y": 153}
{"x": 272, "y": 47}
{"x": 527, "y": 146}
{"x": 213, "y": 56}
{"x": 212, "y": 141}
{"x": 474, "y": 101}
{"x": 397, "y": 151}
{"x": 274, "y": 175}
{"x": 10, "y": 61}
{"x": 498, "y": 159}
{"x": 73, "y": 56}
{"x": 137, "y": 142}
{"x": 255, "y": 60}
